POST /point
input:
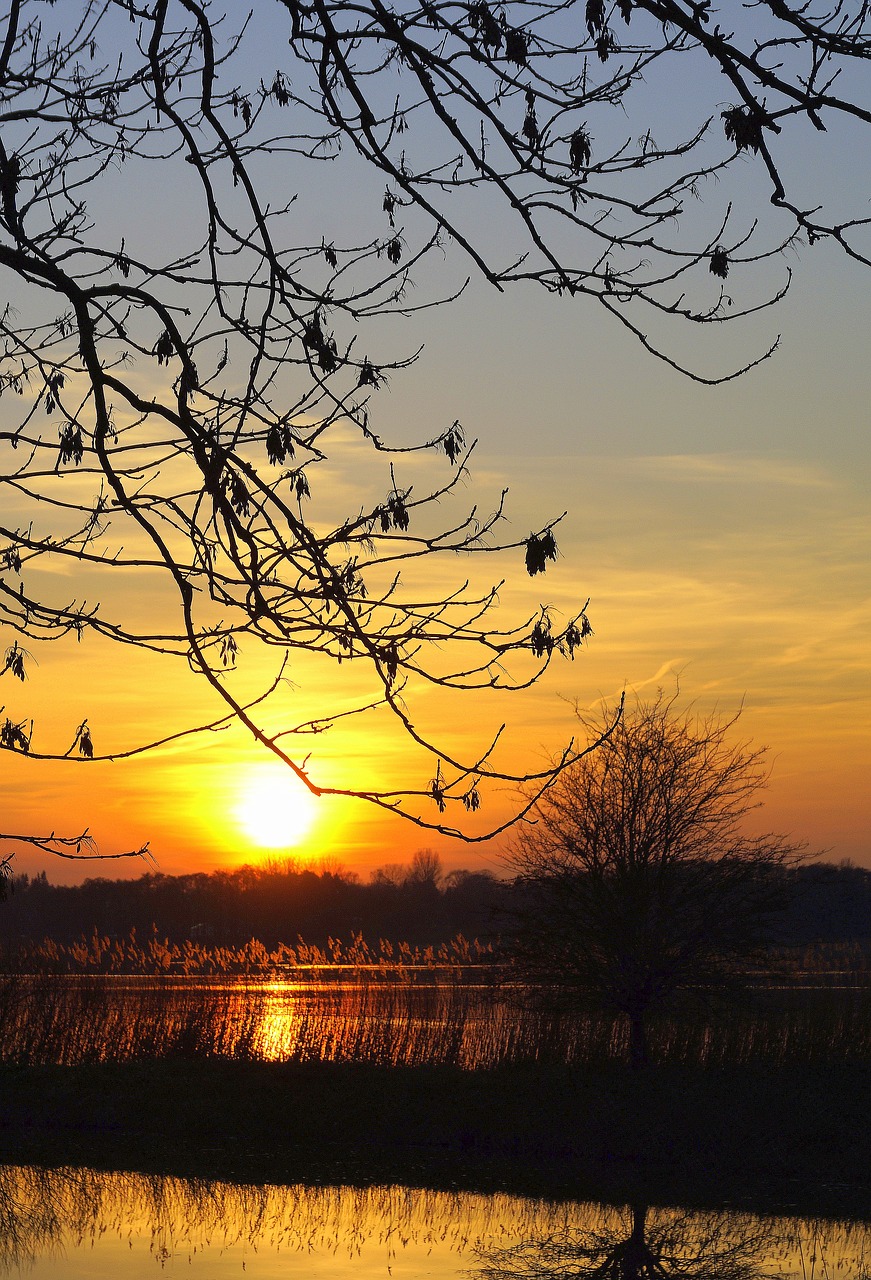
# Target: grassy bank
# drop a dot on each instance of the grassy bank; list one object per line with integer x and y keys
{"x": 793, "y": 1140}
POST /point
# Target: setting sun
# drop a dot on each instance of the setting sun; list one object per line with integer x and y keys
{"x": 273, "y": 809}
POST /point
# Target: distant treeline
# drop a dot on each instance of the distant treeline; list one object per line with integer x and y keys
{"x": 278, "y": 903}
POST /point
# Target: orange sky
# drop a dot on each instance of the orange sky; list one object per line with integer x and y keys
{"x": 723, "y": 538}
{"x": 722, "y": 535}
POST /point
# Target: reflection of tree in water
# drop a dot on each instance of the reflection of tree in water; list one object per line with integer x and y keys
{"x": 636, "y": 1243}
{"x": 48, "y": 1212}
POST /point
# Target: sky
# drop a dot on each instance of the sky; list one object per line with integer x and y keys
{"x": 721, "y": 535}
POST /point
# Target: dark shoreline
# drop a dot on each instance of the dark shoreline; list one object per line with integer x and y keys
{"x": 794, "y": 1141}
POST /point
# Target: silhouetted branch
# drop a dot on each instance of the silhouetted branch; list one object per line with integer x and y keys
{"x": 181, "y": 385}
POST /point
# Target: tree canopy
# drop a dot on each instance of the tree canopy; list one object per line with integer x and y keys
{"x": 642, "y": 878}
{"x": 183, "y": 355}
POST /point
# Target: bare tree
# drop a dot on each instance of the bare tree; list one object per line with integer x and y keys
{"x": 635, "y": 1243}
{"x": 641, "y": 879}
{"x": 180, "y": 374}
{"x": 425, "y": 871}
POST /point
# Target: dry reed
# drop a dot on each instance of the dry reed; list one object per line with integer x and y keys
{"x": 402, "y": 1022}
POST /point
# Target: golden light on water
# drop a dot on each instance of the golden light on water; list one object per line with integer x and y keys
{"x": 273, "y": 809}
{"x": 81, "y": 1221}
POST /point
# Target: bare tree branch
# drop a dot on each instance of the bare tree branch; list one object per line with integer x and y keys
{"x": 172, "y": 394}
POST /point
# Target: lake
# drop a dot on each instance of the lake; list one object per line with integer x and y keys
{"x": 61, "y": 1224}
{"x": 407, "y": 1021}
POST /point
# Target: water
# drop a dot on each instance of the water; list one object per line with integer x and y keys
{"x": 67, "y": 1019}
{"x": 70, "y": 1223}
{"x": 70, "y": 1020}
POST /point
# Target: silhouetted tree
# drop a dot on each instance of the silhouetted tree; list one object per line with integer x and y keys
{"x": 637, "y": 1244}
{"x": 641, "y": 880}
{"x": 183, "y": 368}
{"x": 274, "y": 904}
{"x": 425, "y": 870}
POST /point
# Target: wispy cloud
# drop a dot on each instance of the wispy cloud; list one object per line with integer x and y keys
{"x": 731, "y": 468}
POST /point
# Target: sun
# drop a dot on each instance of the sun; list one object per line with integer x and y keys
{"x": 272, "y": 808}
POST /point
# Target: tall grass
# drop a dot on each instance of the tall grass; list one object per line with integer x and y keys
{"x": 153, "y": 956}
{"x": 69, "y": 1020}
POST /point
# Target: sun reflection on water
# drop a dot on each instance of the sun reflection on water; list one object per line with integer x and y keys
{"x": 277, "y": 1036}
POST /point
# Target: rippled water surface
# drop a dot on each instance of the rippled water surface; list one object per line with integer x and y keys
{"x": 66, "y": 1224}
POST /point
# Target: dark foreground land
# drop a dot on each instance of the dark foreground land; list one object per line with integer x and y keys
{"x": 794, "y": 1140}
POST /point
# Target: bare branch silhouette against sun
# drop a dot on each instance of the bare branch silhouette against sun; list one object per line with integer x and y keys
{"x": 182, "y": 357}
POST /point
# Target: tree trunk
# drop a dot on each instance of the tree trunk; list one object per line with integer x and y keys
{"x": 639, "y": 1056}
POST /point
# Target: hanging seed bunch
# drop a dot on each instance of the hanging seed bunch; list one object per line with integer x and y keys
{"x": 540, "y": 548}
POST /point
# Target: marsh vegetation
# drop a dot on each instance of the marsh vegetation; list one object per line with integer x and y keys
{"x": 414, "y": 1017}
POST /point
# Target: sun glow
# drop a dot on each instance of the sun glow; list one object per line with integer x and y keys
{"x": 273, "y": 809}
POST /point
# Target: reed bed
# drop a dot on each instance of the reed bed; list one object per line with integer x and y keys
{"x": 155, "y": 956}
{"x": 403, "y": 1023}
